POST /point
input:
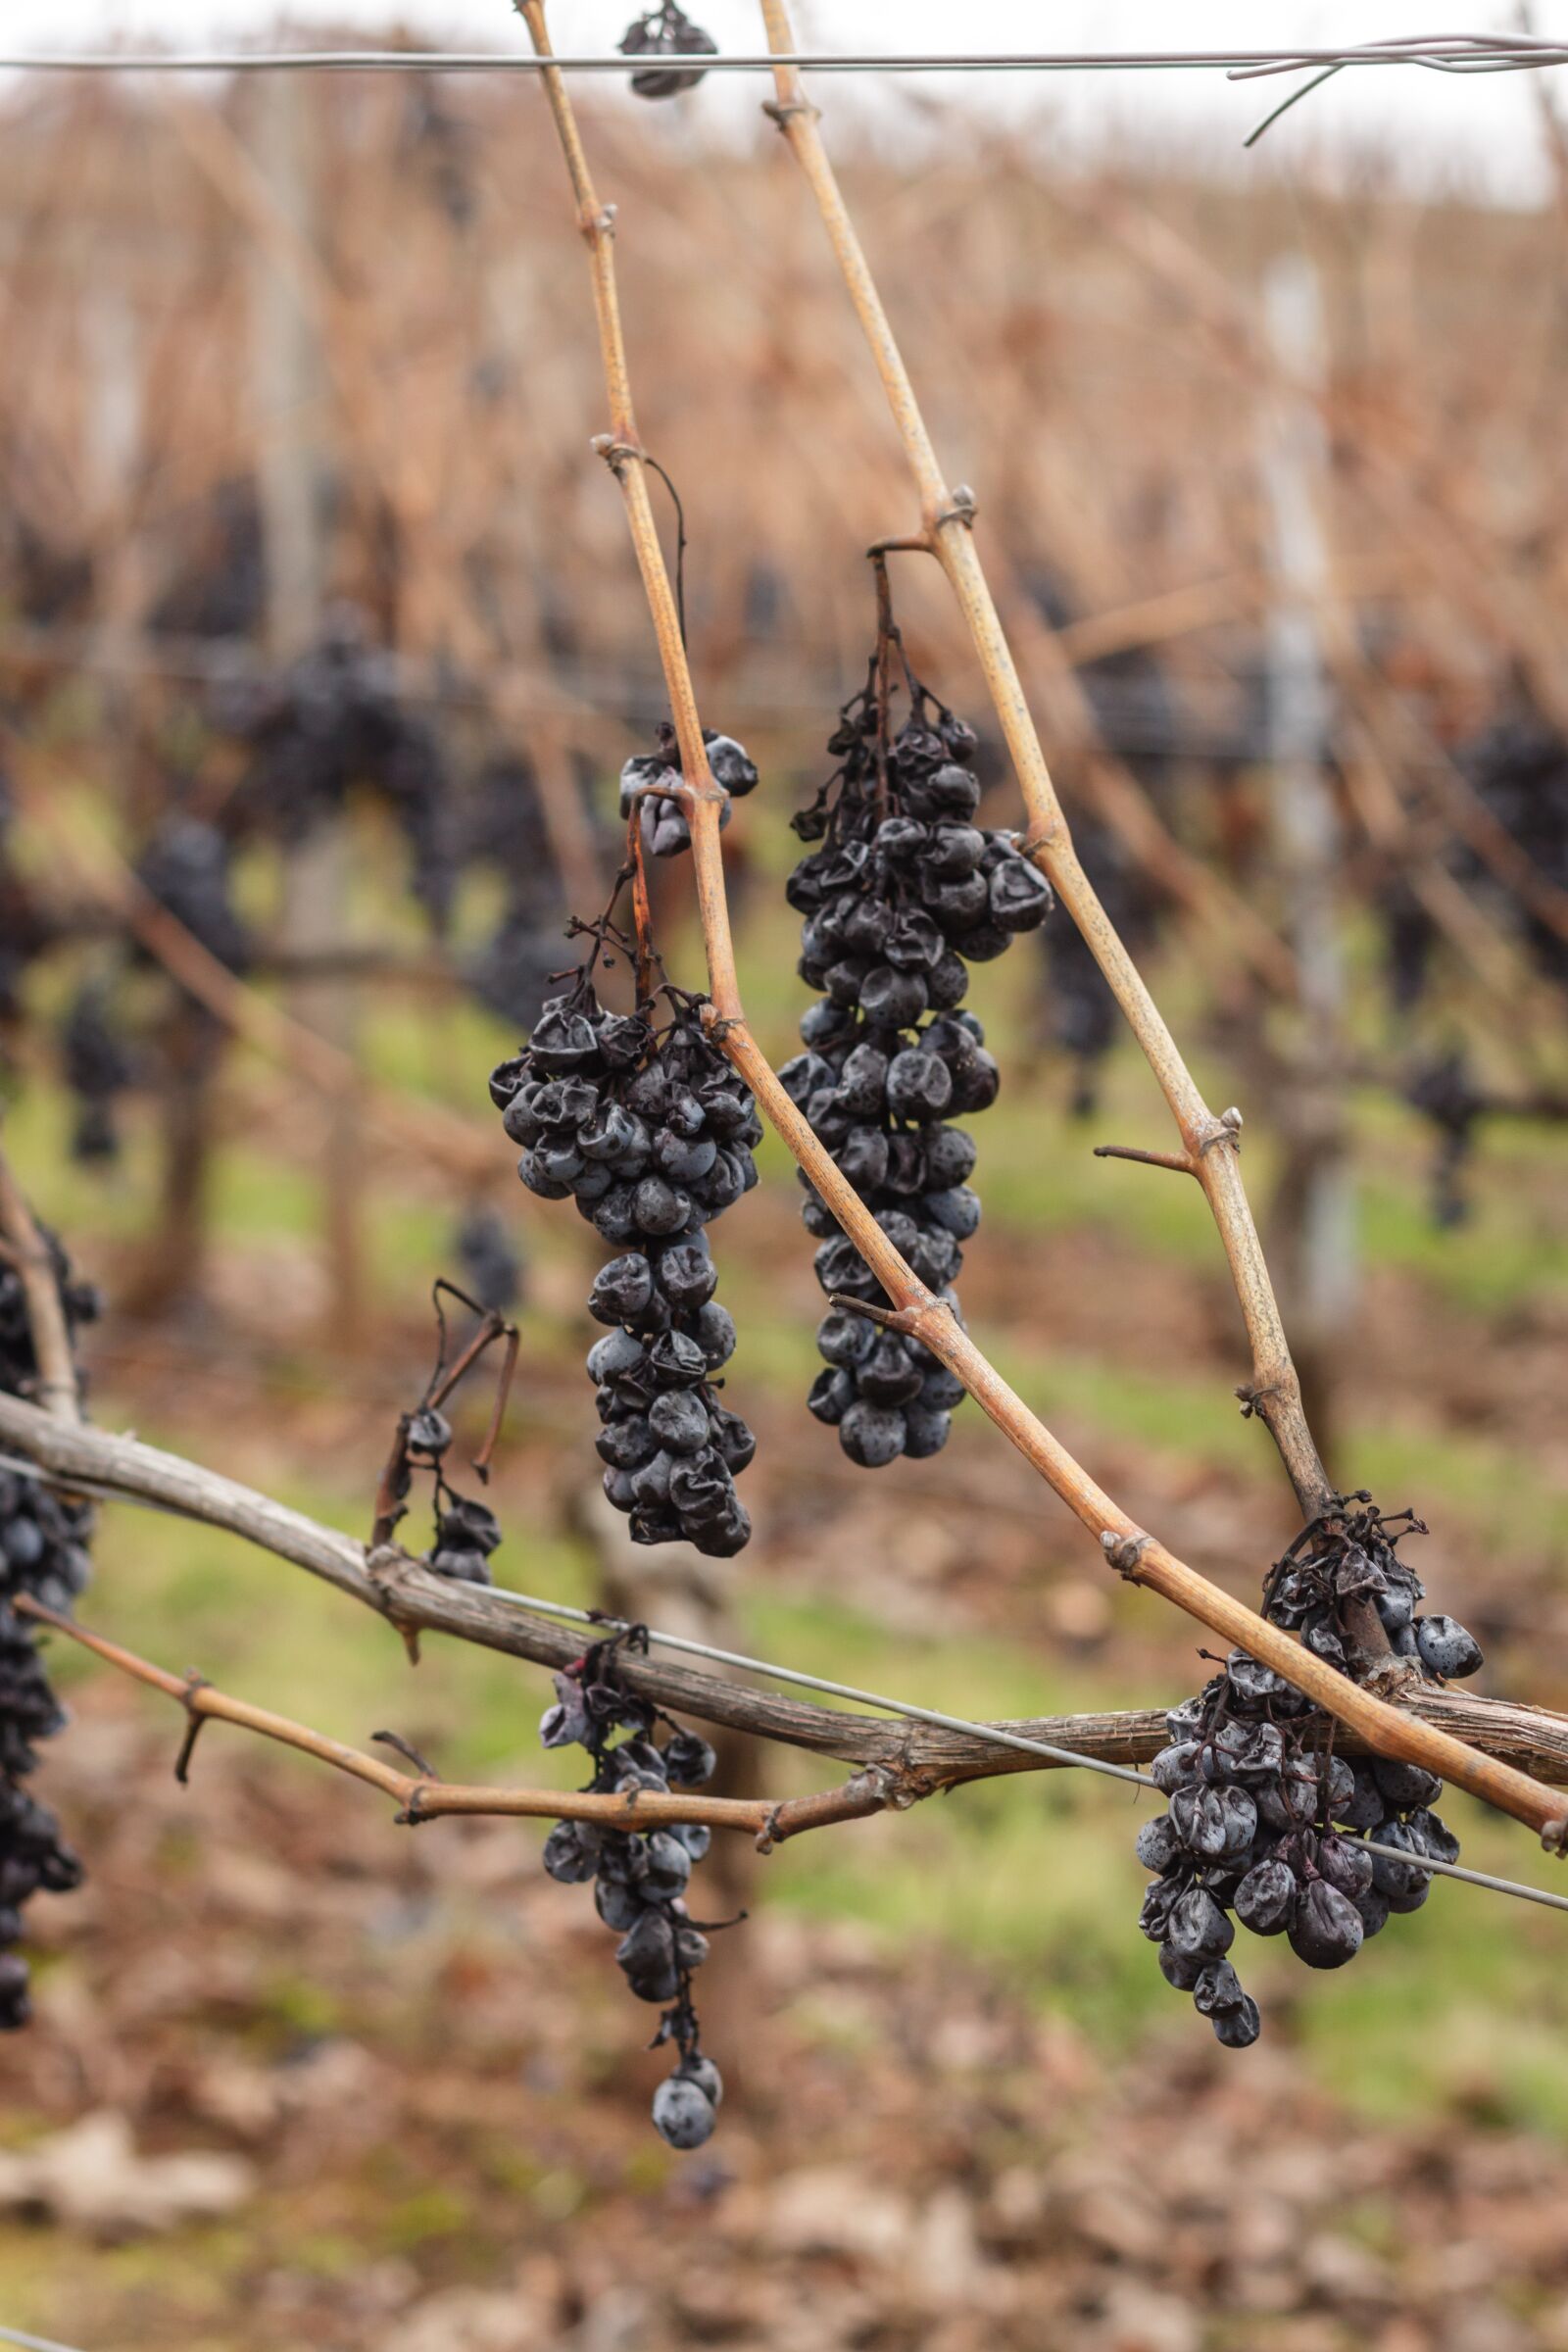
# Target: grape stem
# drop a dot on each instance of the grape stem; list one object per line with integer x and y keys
{"x": 1211, "y": 1143}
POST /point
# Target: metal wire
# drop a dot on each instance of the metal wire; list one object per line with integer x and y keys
{"x": 32, "y": 2343}
{"x": 1449, "y": 53}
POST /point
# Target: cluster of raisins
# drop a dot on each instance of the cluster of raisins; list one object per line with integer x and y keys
{"x": 639, "y": 1880}
{"x": 1264, "y": 1820}
{"x": 652, "y": 1134}
{"x": 904, "y": 894}
{"x": 43, "y": 1552}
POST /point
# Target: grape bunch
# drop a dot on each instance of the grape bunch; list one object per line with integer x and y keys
{"x": 1078, "y": 1013}
{"x": 665, "y": 31}
{"x": 905, "y": 892}
{"x": 187, "y": 866}
{"x": 652, "y": 1134}
{"x": 466, "y": 1533}
{"x": 1264, "y": 1820}
{"x": 43, "y": 1552}
{"x": 1443, "y": 1091}
{"x": 1518, "y": 766}
{"x": 492, "y": 1264}
{"x": 639, "y": 1879}
{"x": 333, "y": 719}
{"x": 24, "y": 929}
{"x": 661, "y": 818}
{"x": 98, "y": 1068}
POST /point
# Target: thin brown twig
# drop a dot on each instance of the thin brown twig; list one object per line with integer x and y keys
{"x": 1210, "y": 1142}
{"x": 1148, "y": 1159}
{"x": 427, "y": 1798}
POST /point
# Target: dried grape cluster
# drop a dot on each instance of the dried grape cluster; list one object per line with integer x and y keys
{"x": 660, "y": 818}
{"x": 640, "y": 1880}
{"x": 505, "y": 835}
{"x": 187, "y": 865}
{"x": 332, "y": 724}
{"x": 665, "y": 31}
{"x": 904, "y": 894}
{"x": 334, "y": 719}
{"x": 1445, "y": 1093}
{"x": 652, "y": 1134}
{"x": 98, "y": 1068}
{"x": 43, "y": 1552}
{"x": 467, "y": 1530}
{"x": 492, "y": 1264}
{"x": 1264, "y": 1820}
{"x": 1518, "y": 768}
{"x": 1078, "y": 1013}
{"x": 25, "y": 930}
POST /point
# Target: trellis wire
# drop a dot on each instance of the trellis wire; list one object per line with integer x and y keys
{"x": 1453, "y": 53}
{"x": 597, "y": 1622}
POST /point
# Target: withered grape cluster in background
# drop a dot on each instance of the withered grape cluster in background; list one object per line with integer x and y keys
{"x": 336, "y": 720}
{"x": 492, "y": 1264}
{"x": 904, "y": 894}
{"x": 1517, "y": 767}
{"x": 43, "y": 1552}
{"x": 665, "y": 31}
{"x": 639, "y": 1880}
{"x": 652, "y": 1134}
{"x": 310, "y": 740}
{"x": 1264, "y": 1820}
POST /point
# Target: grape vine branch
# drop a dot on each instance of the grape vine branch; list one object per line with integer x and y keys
{"x": 913, "y": 1759}
{"x": 1211, "y": 1145}
{"x": 425, "y": 1796}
